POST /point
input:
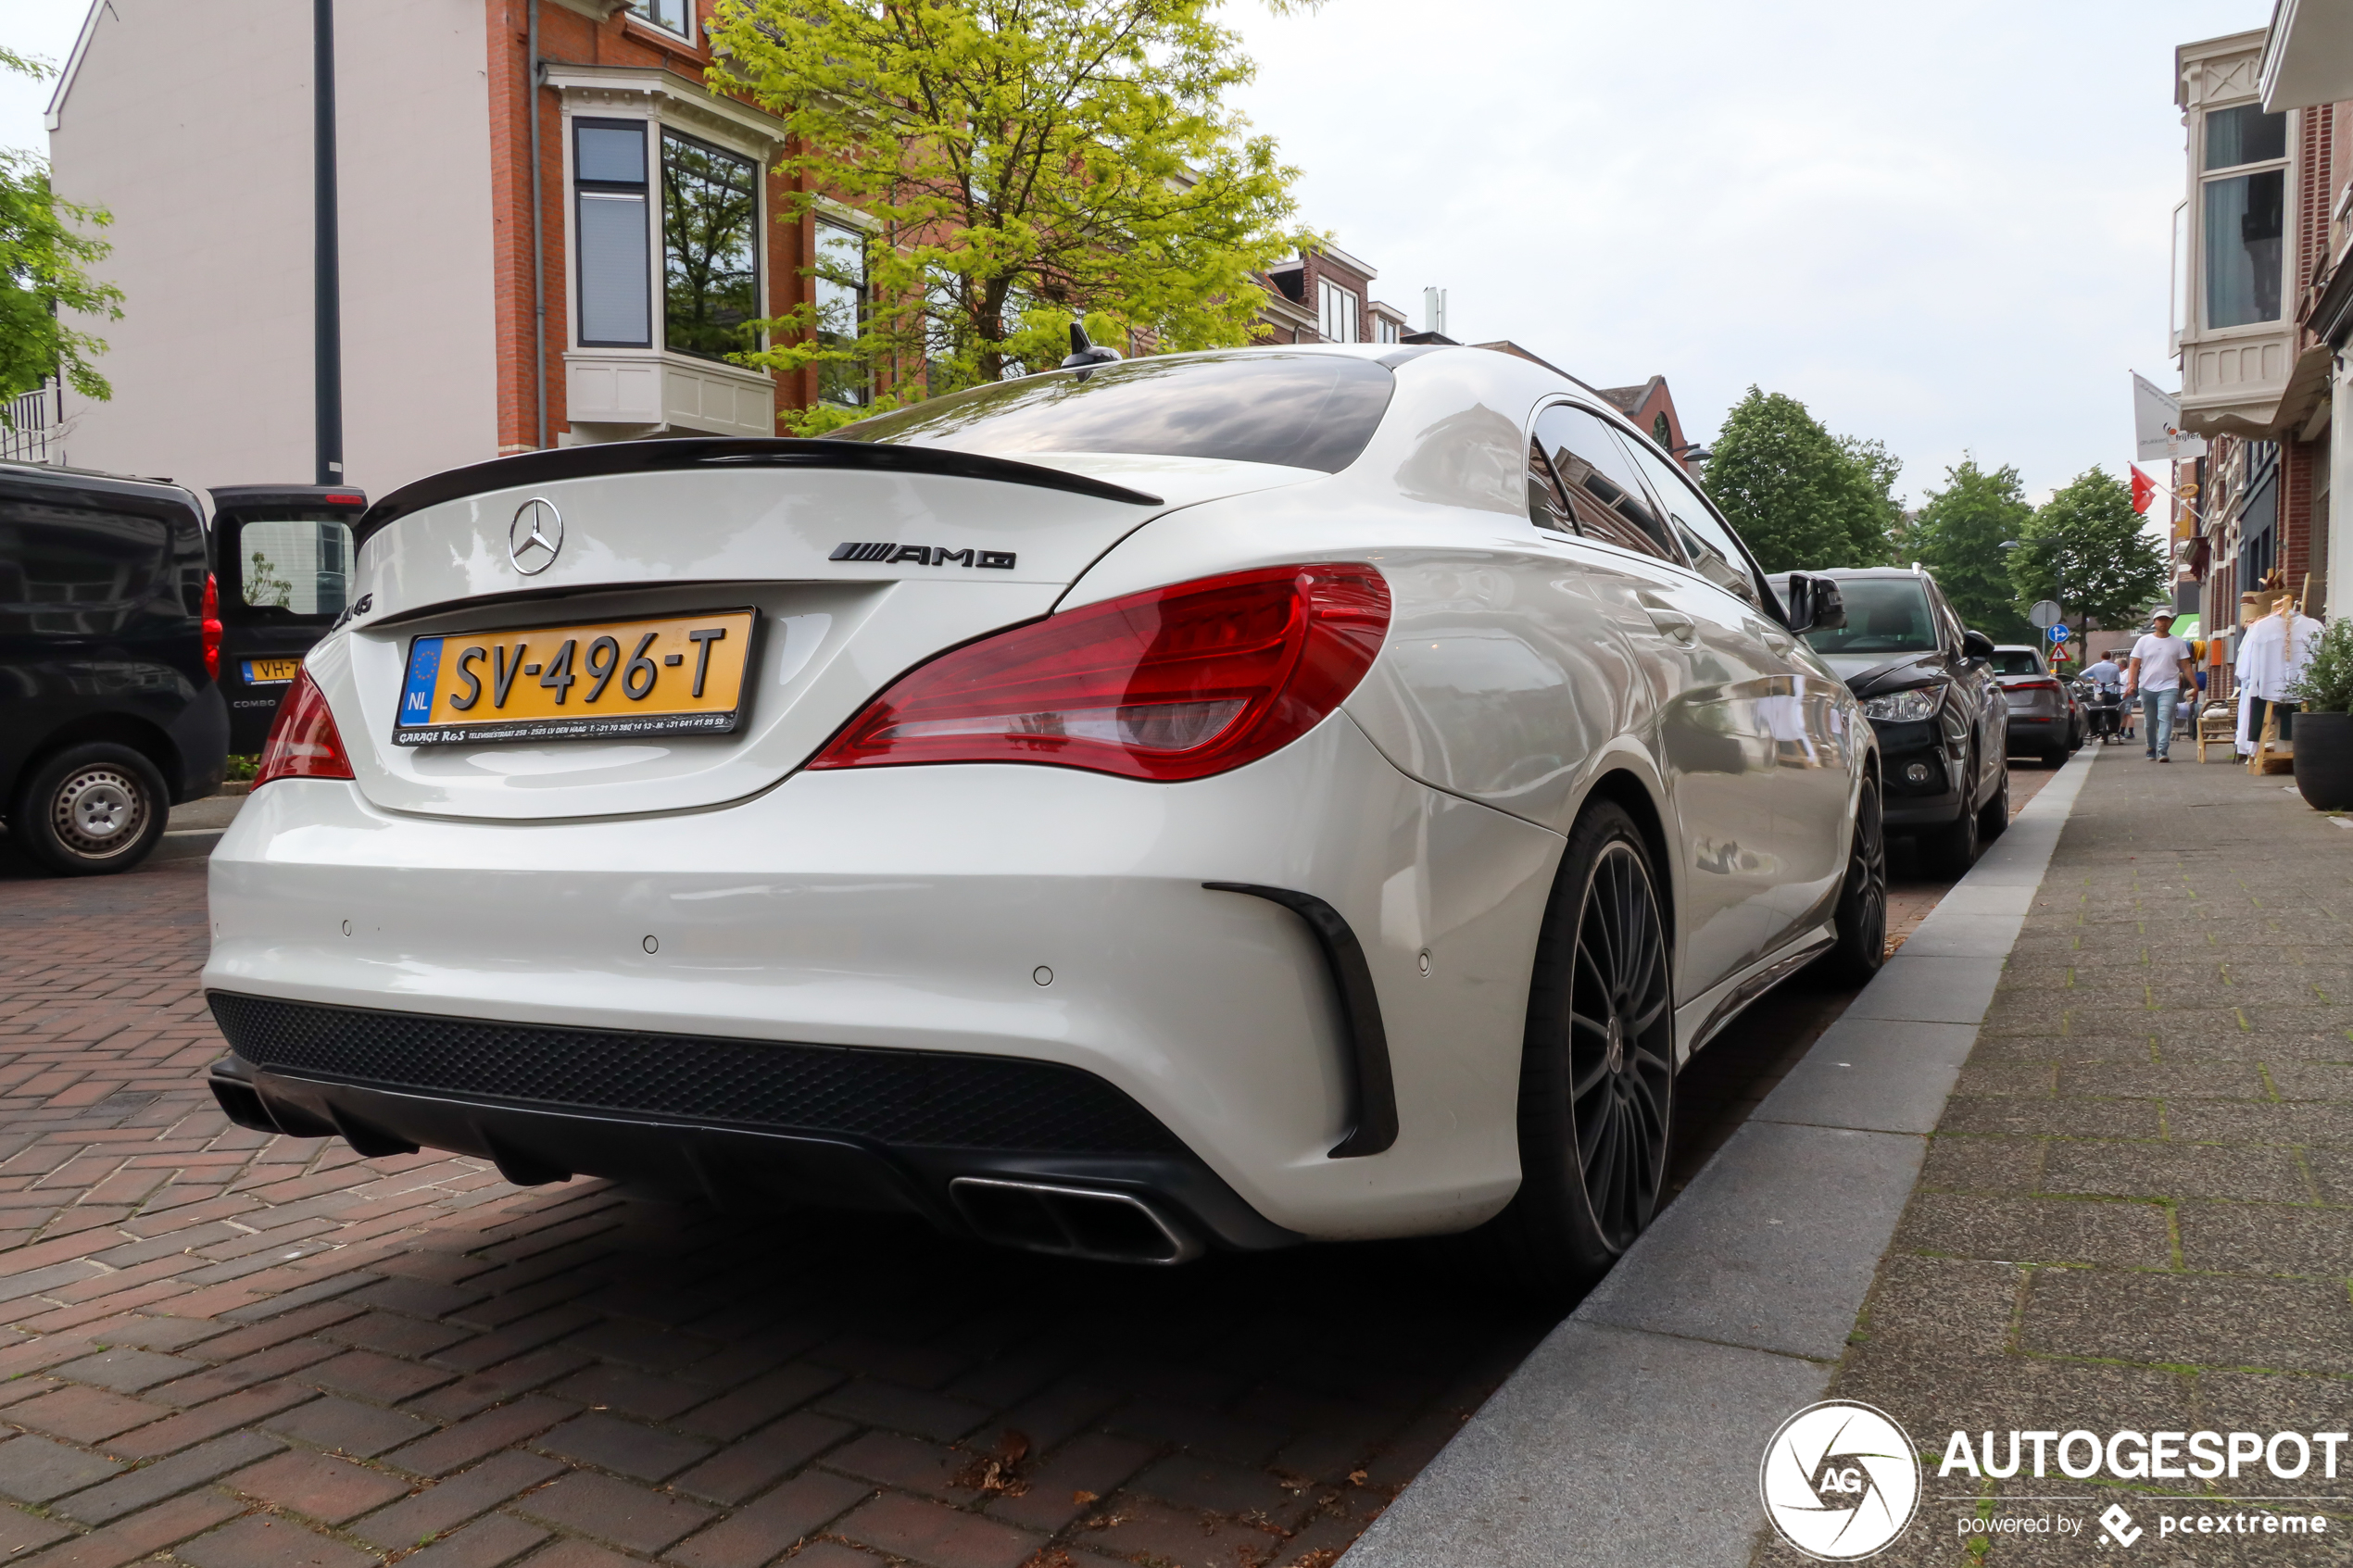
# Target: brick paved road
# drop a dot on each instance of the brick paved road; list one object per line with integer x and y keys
{"x": 256, "y": 1351}
{"x": 251, "y": 1350}
{"x": 2137, "y": 1211}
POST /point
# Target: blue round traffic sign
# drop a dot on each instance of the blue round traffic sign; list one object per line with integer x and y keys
{"x": 2058, "y": 633}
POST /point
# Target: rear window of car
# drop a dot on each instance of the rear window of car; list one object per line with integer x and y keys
{"x": 2016, "y": 661}
{"x": 1302, "y": 410}
{"x": 293, "y": 568}
{"x": 1883, "y": 615}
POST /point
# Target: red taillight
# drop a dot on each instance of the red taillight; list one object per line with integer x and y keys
{"x": 1178, "y": 682}
{"x": 211, "y": 619}
{"x": 303, "y": 743}
{"x": 2035, "y": 686}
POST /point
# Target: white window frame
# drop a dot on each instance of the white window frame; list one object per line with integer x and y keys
{"x": 1349, "y": 318}
{"x": 642, "y": 10}
{"x": 701, "y": 129}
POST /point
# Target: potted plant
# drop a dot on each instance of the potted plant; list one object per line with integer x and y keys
{"x": 2324, "y": 722}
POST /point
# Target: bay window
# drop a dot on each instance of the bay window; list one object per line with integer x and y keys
{"x": 710, "y": 239}
{"x": 710, "y": 232}
{"x": 2243, "y": 195}
{"x": 608, "y": 201}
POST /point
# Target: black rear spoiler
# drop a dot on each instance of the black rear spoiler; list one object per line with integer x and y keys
{"x": 656, "y": 457}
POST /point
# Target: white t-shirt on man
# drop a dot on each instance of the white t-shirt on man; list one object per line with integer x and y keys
{"x": 2161, "y": 661}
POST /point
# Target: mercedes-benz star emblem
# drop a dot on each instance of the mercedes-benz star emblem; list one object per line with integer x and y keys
{"x": 534, "y": 536}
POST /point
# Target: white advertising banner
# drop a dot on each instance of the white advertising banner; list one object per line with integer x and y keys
{"x": 2157, "y": 425}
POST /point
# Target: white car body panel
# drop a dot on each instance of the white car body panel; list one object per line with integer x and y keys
{"x": 910, "y": 907}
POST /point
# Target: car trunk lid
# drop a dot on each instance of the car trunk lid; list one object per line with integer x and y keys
{"x": 854, "y": 562}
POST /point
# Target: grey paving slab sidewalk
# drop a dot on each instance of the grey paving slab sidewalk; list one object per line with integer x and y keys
{"x": 2136, "y": 1210}
{"x": 1632, "y": 1434}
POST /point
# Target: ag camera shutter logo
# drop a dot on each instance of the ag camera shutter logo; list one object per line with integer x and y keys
{"x": 1840, "y": 1480}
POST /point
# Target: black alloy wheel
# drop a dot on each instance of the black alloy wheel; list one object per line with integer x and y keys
{"x": 1597, "y": 1073}
{"x": 1861, "y": 918}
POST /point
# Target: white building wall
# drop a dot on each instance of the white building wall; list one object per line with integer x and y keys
{"x": 192, "y": 123}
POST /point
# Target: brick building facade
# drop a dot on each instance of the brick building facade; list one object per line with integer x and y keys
{"x": 2261, "y": 240}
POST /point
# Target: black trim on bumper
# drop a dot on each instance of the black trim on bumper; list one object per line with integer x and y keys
{"x": 828, "y": 1127}
{"x": 1373, "y": 1091}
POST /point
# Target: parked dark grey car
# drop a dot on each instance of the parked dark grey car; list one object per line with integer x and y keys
{"x": 110, "y": 708}
{"x": 2046, "y": 717}
{"x": 1928, "y": 686}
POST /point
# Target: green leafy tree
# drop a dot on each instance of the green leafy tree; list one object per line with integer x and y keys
{"x": 1962, "y": 535}
{"x": 2085, "y": 548}
{"x": 1024, "y": 161}
{"x": 1800, "y": 497}
{"x": 44, "y": 258}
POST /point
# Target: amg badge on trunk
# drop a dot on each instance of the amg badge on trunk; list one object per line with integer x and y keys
{"x": 923, "y": 555}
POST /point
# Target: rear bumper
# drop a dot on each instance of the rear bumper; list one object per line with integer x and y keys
{"x": 1029, "y": 915}
{"x": 847, "y": 1130}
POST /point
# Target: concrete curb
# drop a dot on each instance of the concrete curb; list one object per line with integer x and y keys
{"x": 181, "y": 844}
{"x": 1632, "y": 1434}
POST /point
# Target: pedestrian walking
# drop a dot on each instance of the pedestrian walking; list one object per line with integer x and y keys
{"x": 2155, "y": 672}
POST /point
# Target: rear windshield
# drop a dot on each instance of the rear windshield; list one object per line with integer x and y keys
{"x": 2016, "y": 661}
{"x": 1883, "y": 615}
{"x": 291, "y": 566}
{"x": 1303, "y": 410}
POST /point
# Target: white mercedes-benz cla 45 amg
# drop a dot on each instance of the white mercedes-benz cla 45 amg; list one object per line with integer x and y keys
{"x": 1221, "y": 799}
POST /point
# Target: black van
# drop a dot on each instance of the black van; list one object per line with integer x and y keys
{"x": 283, "y": 555}
{"x": 110, "y": 711}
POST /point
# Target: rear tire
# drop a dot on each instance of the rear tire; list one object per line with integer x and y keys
{"x": 1597, "y": 1070}
{"x": 1993, "y": 817}
{"x": 1861, "y": 917}
{"x": 90, "y": 810}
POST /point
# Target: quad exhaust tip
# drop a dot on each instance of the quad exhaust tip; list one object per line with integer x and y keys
{"x": 1069, "y": 1221}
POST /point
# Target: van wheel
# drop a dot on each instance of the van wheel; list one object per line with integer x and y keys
{"x": 1861, "y": 917}
{"x": 1597, "y": 1069}
{"x": 91, "y": 810}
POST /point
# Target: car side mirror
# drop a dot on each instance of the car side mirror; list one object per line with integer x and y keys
{"x": 1814, "y": 604}
{"x": 1976, "y": 645}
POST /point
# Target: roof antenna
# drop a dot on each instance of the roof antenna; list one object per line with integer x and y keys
{"x": 1084, "y": 355}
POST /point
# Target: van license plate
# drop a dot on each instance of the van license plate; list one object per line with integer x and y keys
{"x": 674, "y": 675}
{"x": 271, "y": 671}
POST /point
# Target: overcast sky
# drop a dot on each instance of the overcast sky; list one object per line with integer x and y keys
{"x": 1945, "y": 226}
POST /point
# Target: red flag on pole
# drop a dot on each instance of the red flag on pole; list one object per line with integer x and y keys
{"x": 2144, "y": 489}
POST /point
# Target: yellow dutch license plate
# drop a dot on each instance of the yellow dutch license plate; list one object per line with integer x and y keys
{"x": 673, "y": 675}
{"x": 271, "y": 671}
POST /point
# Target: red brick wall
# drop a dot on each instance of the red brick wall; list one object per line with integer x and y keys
{"x": 568, "y": 37}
